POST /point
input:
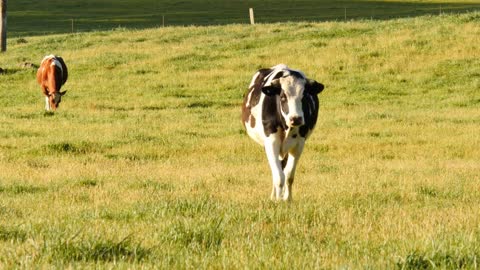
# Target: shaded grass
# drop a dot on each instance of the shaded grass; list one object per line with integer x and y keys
{"x": 32, "y": 17}
{"x": 418, "y": 260}
{"x": 98, "y": 250}
{"x": 12, "y": 234}
{"x": 71, "y": 148}
{"x": 88, "y": 182}
{"x": 17, "y": 189}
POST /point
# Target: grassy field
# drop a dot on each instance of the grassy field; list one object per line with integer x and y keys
{"x": 146, "y": 164}
{"x": 32, "y": 17}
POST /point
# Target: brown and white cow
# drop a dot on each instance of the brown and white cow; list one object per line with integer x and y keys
{"x": 51, "y": 75}
{"x": 279, "y": 112}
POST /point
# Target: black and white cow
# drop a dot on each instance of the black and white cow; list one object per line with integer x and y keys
{"x": 279, "y": 112}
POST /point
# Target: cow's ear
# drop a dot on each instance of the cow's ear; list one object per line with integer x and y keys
{"x": 273, "y": 89}
{"x": 63, "y": 93}
{"x": 314, "y": 87}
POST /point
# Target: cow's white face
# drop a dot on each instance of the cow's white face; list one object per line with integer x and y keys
{"x": 291, "y": 95}
{"x": 290, "y": 90}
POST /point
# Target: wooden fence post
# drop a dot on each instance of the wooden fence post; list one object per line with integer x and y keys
{"x": 252, "y": 18}
{"x": 3, "y": 25}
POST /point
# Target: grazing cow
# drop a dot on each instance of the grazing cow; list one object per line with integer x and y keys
{"x": 51, "y": 75}
{"x": 279, "y": 112}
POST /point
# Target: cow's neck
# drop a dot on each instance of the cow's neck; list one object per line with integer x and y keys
{"x": 291, "y": 131}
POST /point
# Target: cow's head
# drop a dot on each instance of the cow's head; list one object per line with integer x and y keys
{"x": 55, "y": 99}
{"x": 290, "y": 87}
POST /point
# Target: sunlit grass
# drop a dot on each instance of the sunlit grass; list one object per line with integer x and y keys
{"x": 146, "y": 164}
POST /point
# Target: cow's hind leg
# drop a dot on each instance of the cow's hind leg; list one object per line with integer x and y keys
{"x": 272, "y": 149}
{"x": 292, "y": 161}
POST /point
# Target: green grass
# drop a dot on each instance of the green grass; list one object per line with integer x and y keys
{"x": 146, "y": 164}
{"x": 29, "y": 17}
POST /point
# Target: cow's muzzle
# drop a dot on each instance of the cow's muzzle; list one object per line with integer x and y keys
{"x": 296, "y": 121}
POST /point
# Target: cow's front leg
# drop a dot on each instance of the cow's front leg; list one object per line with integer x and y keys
{"x": 47, "y": 104}
{"x": 293, "y": 157}
{"x": 272, "y": 149}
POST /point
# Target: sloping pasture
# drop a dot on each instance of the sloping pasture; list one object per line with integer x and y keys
{"x": 146, "y": 163}
{"x": 32, "y": 17}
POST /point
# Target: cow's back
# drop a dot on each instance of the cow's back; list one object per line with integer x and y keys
{"x": 252, "y": 96}
{"x": 52, "y": 73}
{"x": 42, "y": 72}
{"x": 252, "y": 106}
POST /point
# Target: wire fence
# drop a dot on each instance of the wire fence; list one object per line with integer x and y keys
{"x": 22, "y": 25}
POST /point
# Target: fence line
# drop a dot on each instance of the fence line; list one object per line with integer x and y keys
{"x": 80, "y": 24}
